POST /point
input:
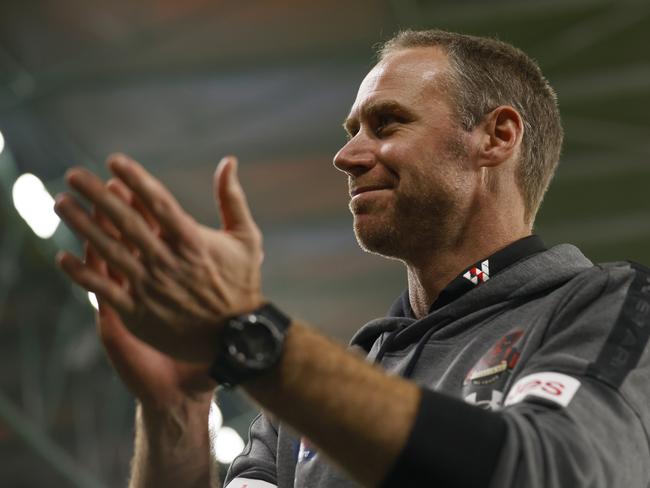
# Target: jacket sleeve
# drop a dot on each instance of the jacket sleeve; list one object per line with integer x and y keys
{"x": 576, "y": 414}
{"x": 255, "y": 467}
{"x": 596, "y": 441}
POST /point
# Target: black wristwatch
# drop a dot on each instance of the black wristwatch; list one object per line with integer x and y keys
{"x": 250, "y": 345}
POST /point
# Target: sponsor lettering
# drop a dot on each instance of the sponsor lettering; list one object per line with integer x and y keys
{"x": 557, "y": 387}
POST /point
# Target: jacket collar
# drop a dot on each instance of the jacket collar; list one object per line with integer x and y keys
{"x": 474, "y": 275}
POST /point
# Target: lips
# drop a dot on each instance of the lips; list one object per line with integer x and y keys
{"x": 363, "y": 189}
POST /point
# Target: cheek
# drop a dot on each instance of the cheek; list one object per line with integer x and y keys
{"x": 408, "y": 163}
{"x": 435, "y": 180}
{"x": 421, "y": 167}
{"x": 394, "y": 156}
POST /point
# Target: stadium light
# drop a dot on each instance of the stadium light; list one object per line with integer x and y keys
{"x": 225, "y": 441}
{"x": 35, "y": 205}
{"x": 93, "y": 300}
{"x": 2, "y": 142}
{"x": 228, "y": 445}
{"x": 215, "y": 419}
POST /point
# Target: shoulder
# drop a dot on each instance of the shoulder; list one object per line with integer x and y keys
{"x": 605, "y": 283}
{"x": 629, "y": 331}
{"x": 601, "y": 323}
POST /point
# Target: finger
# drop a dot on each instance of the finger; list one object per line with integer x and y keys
{"x": 105, "y": 223}
{"x": 108, "y": 322}
{"x": 157, "y": 199}
{"x": 128, "y": 222}
{"x": 113, "y": 251}
{"x": 123, "y": 194}
{"x": 235, "y": 212}
{"x": 108, "y": 227}
{"x": 121, "y": 190}
{"x": 91, "y": 280}
{"x": 93, "y": 260}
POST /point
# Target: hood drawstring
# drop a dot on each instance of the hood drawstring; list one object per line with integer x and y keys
{"x": 418, "y": 352}
{"x": 387, "y": 343}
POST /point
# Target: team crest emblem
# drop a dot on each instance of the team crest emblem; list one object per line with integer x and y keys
{"x": 484, "y": 384}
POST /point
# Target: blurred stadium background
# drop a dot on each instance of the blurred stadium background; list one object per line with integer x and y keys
{"x": 177, "y": 84}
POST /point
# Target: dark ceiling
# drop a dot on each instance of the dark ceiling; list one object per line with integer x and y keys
{"x": 179, "y": 84}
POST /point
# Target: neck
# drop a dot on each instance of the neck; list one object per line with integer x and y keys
{"x": 428, "y": 276}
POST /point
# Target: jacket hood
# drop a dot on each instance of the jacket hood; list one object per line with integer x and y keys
{"x": 535, "y": 275}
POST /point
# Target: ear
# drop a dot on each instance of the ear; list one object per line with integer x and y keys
{"x": 503, "y": 130}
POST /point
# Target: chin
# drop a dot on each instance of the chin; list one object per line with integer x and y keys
{"x": 377, "y": 237}
{"x": 402, "y": 239}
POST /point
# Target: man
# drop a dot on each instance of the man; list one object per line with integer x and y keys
{"x": 453, "y": 141}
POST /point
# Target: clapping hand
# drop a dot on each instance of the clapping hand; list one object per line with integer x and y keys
{"x": 178, "y": 280}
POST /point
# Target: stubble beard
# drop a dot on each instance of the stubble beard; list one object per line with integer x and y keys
{"x": 422, "y": 219}
{"x": 412, "y": 225}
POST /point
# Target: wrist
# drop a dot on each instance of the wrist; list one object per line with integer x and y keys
{"x": 179, "y": 398}
{"x": 175, "y": 417}
{"x": 172, "y": 446}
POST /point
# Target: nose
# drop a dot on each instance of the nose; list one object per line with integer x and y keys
{"x": 356, "y": 157}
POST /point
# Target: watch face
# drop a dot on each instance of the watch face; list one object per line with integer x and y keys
{"x": 257, "y": 343}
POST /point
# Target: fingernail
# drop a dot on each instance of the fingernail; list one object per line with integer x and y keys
{"x": 58, "y": 199}
{"x": 70, "y": 175}
{"x": 59, "y": 257}
{"x": 117, "y": 160}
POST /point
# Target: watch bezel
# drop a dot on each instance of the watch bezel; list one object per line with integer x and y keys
{"x": 231, "y": 367}
{"x": 236, "y": 331}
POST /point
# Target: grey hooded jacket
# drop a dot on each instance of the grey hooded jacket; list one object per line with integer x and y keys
{"x": 536, "y": 376}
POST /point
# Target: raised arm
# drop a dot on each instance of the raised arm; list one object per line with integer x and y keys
{"x": 180, "y": 286}
{"x": 173, "y": 282}
{"x": 173, "y": 397}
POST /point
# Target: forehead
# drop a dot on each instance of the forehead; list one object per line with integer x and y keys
{"x": 408, "y": 76}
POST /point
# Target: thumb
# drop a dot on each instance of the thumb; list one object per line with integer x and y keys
{"x": 230, "y": 196}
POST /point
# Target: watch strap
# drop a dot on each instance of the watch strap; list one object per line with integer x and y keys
{"x": 273, "y": 313}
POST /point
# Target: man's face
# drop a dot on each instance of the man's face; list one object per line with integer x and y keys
{"x": 407, "y": 159}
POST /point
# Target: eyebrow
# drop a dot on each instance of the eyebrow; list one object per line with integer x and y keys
{"x": 372, "y": 109}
